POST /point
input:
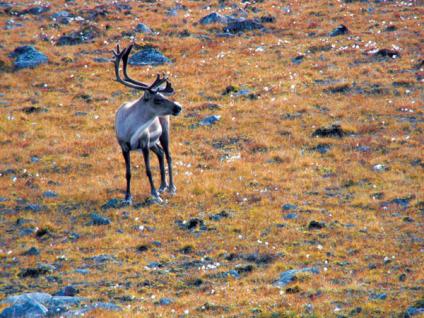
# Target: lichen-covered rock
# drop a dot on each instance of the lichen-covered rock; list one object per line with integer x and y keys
{"x": 242, "y": 25}
{"x": 213, "y": 17}
{"x": 27, "y": 57}
{"x": 148, "y": 56}
{"x": 288, "y": 276}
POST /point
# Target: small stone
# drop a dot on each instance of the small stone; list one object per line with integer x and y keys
{"x": 298, "y": 59}
{"x": 379, "y": 168}
{"x": 35, "y": 159}
{"x": 376, "y": 296}
{"x": 290, "y": 216}
{"x": 67, "y": 291}
{"x": 154, "y": 265}
{"x": 289, "y": 206}
{"x": 219, "y": 216}
{"x": 114, "y": 204}
{"x": 33, "y": 207}
{"x": 322, "y": 148}
{"x": 142, "y": 248}
{"x": 210, "y": 120}
{"x": 33, "y": 251}
{"x": 50, "y": 194}
{"x": 315, "y": 225}
{"x": 97, "y": 219}
{"x": 289, "y": 276}
{"x": 142, "y": 28}
{"x": 334, "y": 130}
{"x": 340, "y": 30}
{"x": 82, "y": 271}
{"x": 165, "y": 301}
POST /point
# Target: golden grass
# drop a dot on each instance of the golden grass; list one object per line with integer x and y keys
{"x": 80, "y": 160}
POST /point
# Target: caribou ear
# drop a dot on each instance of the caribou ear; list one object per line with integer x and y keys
{"x": 168, "y": 90}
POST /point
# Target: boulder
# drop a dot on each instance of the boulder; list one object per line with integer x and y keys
{"x": 27, "y": 57}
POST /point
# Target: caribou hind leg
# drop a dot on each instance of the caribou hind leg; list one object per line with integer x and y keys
{"x": 146, "y": 155}
{"x": 126, "y": 154}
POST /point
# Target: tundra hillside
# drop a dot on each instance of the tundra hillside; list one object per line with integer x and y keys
{"x": 298, "y": 160}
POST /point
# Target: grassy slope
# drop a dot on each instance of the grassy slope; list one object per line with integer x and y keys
{"x": 80, "y": 155}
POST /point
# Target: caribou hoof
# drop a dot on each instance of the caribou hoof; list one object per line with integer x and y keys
{"x": 128, "y": 200}
{"x": 172, "y": 189}
{"x": 163, "y": 188}
{"x": 156, "y": 199}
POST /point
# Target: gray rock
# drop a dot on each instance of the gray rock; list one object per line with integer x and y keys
{"x": 12, "y": 24}
{"x": 114, "y": 204}
{"x": 27, "y": 231}
{"x": 148, "y": 56}
{"x": 28, "y": 309}
{"x": 102, "y": 259}
{"x": 50, "y": 194}
{"x": 210, "y": 120}
{"x": 334, "y": 130}
{"x": 35, "y": 159}
{"x": 33, "y": 207}
{"x": 290, "y": 216}
{"x": 340, "y": 30}
{"x": 377, "y": 296}
{"x": 85, "y": 35}
{"x": 42, "y": 298}
{"x": 63, "y": 17}
{"x": 288, "y": 276}
{"x": 242, "y": 25}
{"x": 64, "y": 301}
{"x": 82, "y": 271}
{"x": 213, "y": 17}
{"x": 142, "y": 28}
{"x": 321, "y": 148}
{"x": 97, "y": 219}
{"x": 315, "y": 225}
{"x": 27, "y": 57}
{"x": 165, "y": 301}
{"x": 67, "y": 291}
{"x": 289, "y": 206}
{"x": 101, "y": 60}
{"x": 379, "y": 168}
{"x": 298, "y": 59}
{"x": 84, "y": 311}
{"x": 413, "y": 311}
{"x": 33, "y": 251}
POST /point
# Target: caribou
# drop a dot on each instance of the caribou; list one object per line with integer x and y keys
{"x": 143, "y": 124}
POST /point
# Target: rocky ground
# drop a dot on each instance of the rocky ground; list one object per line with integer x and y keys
{"x": 298, "y": 160}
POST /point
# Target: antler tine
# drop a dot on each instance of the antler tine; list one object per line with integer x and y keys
{"x": 124, "y": 68}
{"x": 127, "y": 81}
{"x": 118, "y": 56}
{"x": 158, "y": 81}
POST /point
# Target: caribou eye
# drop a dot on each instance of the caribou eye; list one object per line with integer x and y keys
{"x": 157, "y": 101}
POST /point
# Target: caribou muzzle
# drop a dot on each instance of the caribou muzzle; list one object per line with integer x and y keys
{"x": 176, "y": 110}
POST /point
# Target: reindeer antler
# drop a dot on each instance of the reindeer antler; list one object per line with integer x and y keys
{"x": 154, "y": 87}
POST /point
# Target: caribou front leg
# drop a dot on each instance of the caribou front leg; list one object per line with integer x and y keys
{"x": 126, "y": 154}
{"x": 159, "y": 153}
{"x": 164, "y": 140}
{"x": 146, "y": 155}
